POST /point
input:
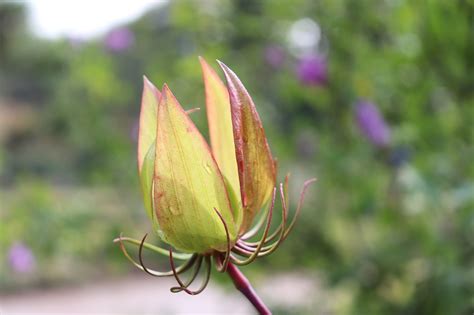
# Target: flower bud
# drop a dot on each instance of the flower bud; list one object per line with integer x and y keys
{"x": 184, "y": 182}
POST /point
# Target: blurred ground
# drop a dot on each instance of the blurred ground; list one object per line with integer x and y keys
{"x": 134, "y": 295}
{"x": 141, "y": 294}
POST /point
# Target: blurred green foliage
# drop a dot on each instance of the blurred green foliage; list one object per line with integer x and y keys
{"x": 391, "y": 229}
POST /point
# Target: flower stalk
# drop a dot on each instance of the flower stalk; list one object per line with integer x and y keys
{"x": 243, "y": 285}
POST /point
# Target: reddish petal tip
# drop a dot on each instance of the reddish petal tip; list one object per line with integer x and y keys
{"x": 165, "y": 88}
{"x": 222, "y": 65}
{"x": 147, "y": 84}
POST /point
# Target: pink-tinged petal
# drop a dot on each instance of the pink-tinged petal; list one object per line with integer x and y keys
{"x": 255, "y": 164}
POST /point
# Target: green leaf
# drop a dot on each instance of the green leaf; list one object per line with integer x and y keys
{"x": 220, "y": 130}
{"x": 255, "y": 164}
{"x": 188, "y": 184}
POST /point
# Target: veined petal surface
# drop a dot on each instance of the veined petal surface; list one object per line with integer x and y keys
{"x": 188, "y": 184}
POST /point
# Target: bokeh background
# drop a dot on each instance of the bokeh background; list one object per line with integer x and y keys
{"x": 374, "y": 98}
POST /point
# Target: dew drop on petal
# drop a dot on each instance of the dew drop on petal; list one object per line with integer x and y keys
{"x": 207, "y": 167}
{"x": 173, "y": 210}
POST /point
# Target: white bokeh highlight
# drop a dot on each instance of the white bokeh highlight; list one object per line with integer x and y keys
{"x": 54, "y": 19}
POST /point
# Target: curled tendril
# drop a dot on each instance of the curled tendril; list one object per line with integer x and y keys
{"x": 153, "y": 248}
{"x": 257, "y": 227}
{"x": 243, "y": 247}
{"x": 223, "y": 267}
{"x": 298, "y": 208}
{"x": 254, "y": 255}
{"x": 194, "y": 274}
{"x": 254, "y": 230}
{"x": 182, "y": 268}
{"x": 251, "y": 249}
{"x": 280, "y": 227}
{"x": 184, "y": 287}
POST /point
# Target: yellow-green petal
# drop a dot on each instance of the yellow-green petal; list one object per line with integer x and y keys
{"x": 147, "y": 124}
{"x": 146, "y": 182}
{"x": 146, "y": 143}
{"x": 188, "y": 184}
{"x": 220, "y": 131}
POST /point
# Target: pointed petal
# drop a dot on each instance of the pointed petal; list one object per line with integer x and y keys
{"x": 188, "y": 184}
{"x": 148, "y": 114}
{"x": 146, "y": 141}
{"x": 220, "y": 130}
{"x": 255, "y": 164}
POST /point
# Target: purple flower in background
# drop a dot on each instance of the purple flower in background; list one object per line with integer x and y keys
{"x": 372, "y": 124}
{"x": 275, "y": 56}
{"x": 21, "y": 258}
{"x": 312, "y": 70}
{"x": 119, "y": 39}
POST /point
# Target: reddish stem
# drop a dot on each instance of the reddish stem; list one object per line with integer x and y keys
{"x": 243, "y": 285}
